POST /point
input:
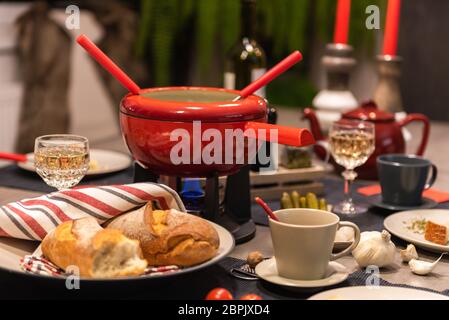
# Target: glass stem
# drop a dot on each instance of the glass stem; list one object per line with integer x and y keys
{"x": 349, "y": 176}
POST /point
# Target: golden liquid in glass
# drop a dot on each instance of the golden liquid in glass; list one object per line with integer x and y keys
{"x": 351, "y": 148}
{"x": 61, "y": 167}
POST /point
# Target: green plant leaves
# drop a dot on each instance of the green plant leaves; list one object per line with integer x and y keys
{"x": 359, "y": 35}
{"x": 162, "y": 37}
{"x": 325, "y": 18}
{"x": 144, "y": 27}
{"x": 206, "y": 28}
{"x": 297, "y": 17}
{"x": 229, "y": 23}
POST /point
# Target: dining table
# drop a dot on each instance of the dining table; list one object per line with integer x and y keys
{"x": 15, "y": 184}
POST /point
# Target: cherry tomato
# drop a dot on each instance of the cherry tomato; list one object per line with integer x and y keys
{"x": 251, "y": 296}
{"x": 219, "y": 294}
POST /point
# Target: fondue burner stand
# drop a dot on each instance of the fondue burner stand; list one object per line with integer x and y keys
{"x": 234, "y": 213}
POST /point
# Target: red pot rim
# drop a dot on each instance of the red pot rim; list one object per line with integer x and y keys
{"x": 251, "y": 108}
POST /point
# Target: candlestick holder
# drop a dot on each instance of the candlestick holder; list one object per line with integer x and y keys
{"x": 387, "y": 94}
{"x": 336, "y": 98}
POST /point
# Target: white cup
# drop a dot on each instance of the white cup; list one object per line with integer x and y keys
{"x": 303, "y": 240}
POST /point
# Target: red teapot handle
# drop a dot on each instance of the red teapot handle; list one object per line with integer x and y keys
{"x": 426, "y": 129}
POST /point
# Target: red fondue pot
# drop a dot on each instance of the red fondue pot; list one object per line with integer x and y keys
{"x": 148, "y": 121}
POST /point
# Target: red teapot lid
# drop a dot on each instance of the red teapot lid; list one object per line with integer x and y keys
{"x": 369, "y": 112}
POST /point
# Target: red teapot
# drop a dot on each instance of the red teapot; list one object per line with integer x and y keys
{"x": 389, "y": 138}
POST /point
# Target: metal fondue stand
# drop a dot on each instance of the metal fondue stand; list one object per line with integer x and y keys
{"x": 234, "y": 213}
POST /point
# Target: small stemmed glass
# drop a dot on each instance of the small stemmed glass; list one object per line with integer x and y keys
{"x": 351, "y": 144}
{"x": 61, "y": 160}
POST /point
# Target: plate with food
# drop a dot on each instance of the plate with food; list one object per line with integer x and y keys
{"x": 101, "y": 162}
{"x": 428, "y": 229}
{"x": 139, "y": 245}
{"x": 377, "y": 293}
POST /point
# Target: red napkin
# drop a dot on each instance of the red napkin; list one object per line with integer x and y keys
{"x": 436, "y": 195}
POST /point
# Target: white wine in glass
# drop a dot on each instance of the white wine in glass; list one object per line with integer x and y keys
{"x": 61, "y": 160}
{"x": 351, "y": 144}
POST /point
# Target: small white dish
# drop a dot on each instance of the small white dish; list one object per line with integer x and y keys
{"x": 335, "y": 274}
{"x": 377, "y": 293}
{"x": 397, "y": 224}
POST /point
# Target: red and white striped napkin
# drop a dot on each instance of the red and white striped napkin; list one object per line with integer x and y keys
{"x": 32, "y": 219}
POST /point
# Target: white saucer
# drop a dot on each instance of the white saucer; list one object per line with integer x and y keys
{"x": 335, "y": 274}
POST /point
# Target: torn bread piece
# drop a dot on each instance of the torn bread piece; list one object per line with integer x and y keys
{"x": 96, "y": 252}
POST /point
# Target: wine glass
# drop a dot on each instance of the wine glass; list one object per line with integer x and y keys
{"x": 61, "y": 160}
{"x": 351, "y": 144}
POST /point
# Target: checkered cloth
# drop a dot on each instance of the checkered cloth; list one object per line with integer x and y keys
{"x": 41, "y": 266}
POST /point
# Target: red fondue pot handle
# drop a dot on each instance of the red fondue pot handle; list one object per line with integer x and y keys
{"x": 296, "y": 137}
{"x": 426, "y": 129}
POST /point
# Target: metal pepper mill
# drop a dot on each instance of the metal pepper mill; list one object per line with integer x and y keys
{"x": 336, "y": 98}
{"x": 387, "y": 94}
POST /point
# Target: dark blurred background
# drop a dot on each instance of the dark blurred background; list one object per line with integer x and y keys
{"x": 184, "y": 42}
{"x": 424, "y": 45}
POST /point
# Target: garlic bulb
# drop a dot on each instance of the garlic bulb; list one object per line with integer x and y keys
{"x": 344, "y": 234}
{"x": 409, "y": 253}
{"x": 375, "y": 248}
{"x": 423, "y": 268}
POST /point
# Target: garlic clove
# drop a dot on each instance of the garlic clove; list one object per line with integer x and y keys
{"x": 423, "y": 268}
{"x": 344, "y": 234}
{"x": 386, "y": 236}
{"x": 409, "y": 253}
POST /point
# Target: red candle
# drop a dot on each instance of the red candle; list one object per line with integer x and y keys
{"x": 392, "y": 27}
{"x": 342, "y": 21}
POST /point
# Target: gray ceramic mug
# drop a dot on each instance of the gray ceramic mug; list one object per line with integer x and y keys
{"x": 403, "y": 178}
{"x": 303, "y": 240}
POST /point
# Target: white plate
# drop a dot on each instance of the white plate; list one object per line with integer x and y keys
{"x": 11, "y": 250}
{"x": 377, "y": 293}
{"x": 107, "y": 161}
{"x": 267, "y": 270}
{"x": 397, "y": 224}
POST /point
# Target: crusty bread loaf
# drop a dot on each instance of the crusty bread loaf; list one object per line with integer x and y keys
{"x": 169, "y": 237}
{"x": 97, "y": 252}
